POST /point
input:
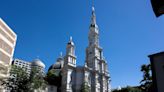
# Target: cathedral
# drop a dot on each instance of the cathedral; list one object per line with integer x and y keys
{"x": 92, "y": 77}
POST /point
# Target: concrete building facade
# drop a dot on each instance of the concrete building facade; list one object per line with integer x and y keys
{"x": 7, "y": 45}
{"x": 22, "y": 64}
{"x": 157, "y": 65}
{"x": 28, "y": 66}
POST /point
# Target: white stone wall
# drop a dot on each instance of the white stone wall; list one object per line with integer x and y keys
{"x": 79, "y": 79}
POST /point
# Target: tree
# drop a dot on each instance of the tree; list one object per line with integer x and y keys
{"x": 85, "y": 87}
{"x": 37, "y": 80}
{"x": 146, "y": 82}
{"x": 54, "y": 78}
{"x": 128, "y": 89}
{"x": 18, "y": 80}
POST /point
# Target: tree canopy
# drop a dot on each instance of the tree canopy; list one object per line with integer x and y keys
{"x": 20, "y": 81}
{"x": 146, "y": 82}
{"x": 128, "y": 89}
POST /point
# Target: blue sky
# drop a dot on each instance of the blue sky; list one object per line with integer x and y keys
{"x": 129, "y": 32}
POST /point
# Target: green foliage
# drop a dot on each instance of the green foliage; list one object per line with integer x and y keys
{"x": 85, "y": 87}
{"x": 20, "y": 81}
{"x": 146, "y": 82}
{"x": 37, "y": 79}
{"x": 128, "y": 89}
{"x": 54, "y": 77}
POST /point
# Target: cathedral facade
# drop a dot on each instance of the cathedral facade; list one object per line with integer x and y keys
{"x": 92, "y": 77}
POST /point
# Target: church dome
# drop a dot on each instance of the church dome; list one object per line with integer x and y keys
{"x": 38, "y": 62}
{"x": 58, "y": 64}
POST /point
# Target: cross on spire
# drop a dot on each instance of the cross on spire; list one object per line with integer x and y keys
{"x": 92, "y": 3}
{"x": 61, "y": 54}
{"x": 70, "y": 38}
{"x": 93, "y": 9}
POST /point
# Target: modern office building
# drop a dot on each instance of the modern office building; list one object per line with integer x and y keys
{"x": 22, "y": 64}
{"x": 28, "y": 66}
{"x": 7, "y": 45}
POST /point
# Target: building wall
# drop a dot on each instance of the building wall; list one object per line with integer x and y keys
{"x": 79, "y": 77}
{"x": 157, "y": 62}
{"x": 7, "y": 45}
{"x": 28, "y": 66}
{"x": 23, "y": 64}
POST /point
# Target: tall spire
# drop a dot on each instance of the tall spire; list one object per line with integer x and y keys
{"x": 94, "y": 30}
{"x": 93, "y": 18}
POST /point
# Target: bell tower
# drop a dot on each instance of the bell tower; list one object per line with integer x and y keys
{"x": 70, "y": 57}
{"x": 93, "y": 51}
{"x": 95, "y": 60}
{"x": 69, "y": 67}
